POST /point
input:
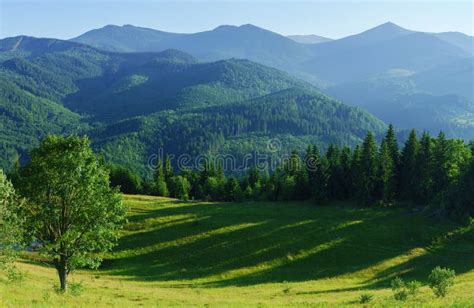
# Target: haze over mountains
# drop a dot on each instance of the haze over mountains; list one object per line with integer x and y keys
{"x": 230, "y": 89}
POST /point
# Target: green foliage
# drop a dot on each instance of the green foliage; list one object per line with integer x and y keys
{"x": 180, "y": 187}
{"x": 400, "y": 292}
{"x": 127, "y": 181}
{"x": 368, "y": 170}
{"x": 425, "y": 164}
{"x": 386, "y": 184}
{"x": 413, "y": 287}
{"x": 368, "y": 174}
{"x": 408, "y": 172}
{"x": 72, "y": 212}
{"x": 440, "y": 280}
{"x": 11, "y": 226}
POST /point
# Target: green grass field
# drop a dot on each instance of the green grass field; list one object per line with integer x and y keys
{"x": 261, "y": 254}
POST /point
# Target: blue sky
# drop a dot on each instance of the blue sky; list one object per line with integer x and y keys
{"x": 335, "y": 19}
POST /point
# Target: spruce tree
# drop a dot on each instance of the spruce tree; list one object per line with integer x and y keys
{"x": 408, "y": 168}
{"x": 386, "y": 179}
{"x": 441, "y": 163}
{"x": 334, "y": 173}
{"x": 425, "y": 165}
{"x": 160, "y": 185}
{"x": 168, "y": 170}
{"x": 392, "y": 144}
{"x": 391, "y": 140}
{"x": 368, "y": 170}
{"x": 355, "y": 172}
{"x": 346, "y": 174}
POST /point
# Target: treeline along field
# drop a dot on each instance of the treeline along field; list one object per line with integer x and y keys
{"x": 426, "y": 171}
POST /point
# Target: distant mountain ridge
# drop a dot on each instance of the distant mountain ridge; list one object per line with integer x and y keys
{"x": 224, "y": 42}
{"x": 351, "y": 58}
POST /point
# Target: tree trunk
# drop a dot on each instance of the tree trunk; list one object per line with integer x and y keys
{"x": 62, "y": 273}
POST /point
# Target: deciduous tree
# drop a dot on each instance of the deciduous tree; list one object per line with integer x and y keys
{"x": 72, "y": 213}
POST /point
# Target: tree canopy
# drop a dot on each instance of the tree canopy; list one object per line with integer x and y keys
{"x": 72, "y": 213}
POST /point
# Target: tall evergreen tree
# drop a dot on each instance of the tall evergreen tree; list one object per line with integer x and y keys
{"x": 386, "y": 170}
{"x": 368, "y": 170}
{"x": 356, "y": 166}
{"x": 233, "y": 191}
{"x": 333, "y": 157}
{"x": 320, "y": 167}
{"x": 408, "y": 168}
{"x": 168, "y": 170}
{"x": 392, "y": 143}
{"x": 441, "y": 163}
{"x": 311, "y": 160}
{"x": 346, "y": 173}
{"x": 160, "y": 185}
{"x": 425, "y": 165}
{"x": 391, "y": 140}
{"x": 293, "y": 165}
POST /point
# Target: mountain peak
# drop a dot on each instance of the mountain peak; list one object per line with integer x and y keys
{"x": 385, "y": 31}
{"x": 241, "y": 27}
{"x": 390, "y": 27}
{"x": 249, "y": 26}
{"x": 389, "y": 24}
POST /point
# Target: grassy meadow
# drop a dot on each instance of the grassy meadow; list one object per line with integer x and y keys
{"x": 174, "y": 253}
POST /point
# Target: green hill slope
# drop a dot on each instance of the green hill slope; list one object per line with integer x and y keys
{"x": 262, "y": 254}
{"x": 26, "y": 118}
{"x": 160, "y": 85}
{"x": 293, "y": 118}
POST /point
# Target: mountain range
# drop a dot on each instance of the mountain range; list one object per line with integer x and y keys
{"x": 231, "y": 89}
{"x": 133, "y": 104}
{"x": 437, "y": 66}
{"x": 372, "y": 52}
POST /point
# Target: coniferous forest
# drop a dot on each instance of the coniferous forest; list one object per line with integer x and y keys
{"x": 425, "y": 170}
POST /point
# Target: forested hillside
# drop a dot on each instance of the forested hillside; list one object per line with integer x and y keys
{"x": 293, "y": 117}
{"x": 133, "y": 104}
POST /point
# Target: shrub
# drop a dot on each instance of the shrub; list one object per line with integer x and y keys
{"x": 440, "y": 280}
{"x": 402, "y": 290}
{"x": 413, "y": 287}
{"x": 366, "y": 298}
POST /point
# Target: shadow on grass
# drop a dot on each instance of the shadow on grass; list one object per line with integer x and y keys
{"x": 227, "y": 244}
